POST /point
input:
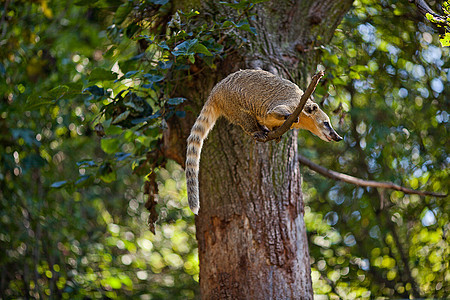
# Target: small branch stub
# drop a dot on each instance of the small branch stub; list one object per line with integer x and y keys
{"x": 277, "y": 133}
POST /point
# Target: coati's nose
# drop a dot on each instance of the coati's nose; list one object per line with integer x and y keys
{"x": 336, "y": 137}
{"x": 332, "y": 135}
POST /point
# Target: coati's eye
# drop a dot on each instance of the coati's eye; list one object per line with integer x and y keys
{"x": 315, "y": 107}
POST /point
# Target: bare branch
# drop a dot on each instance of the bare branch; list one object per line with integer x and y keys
{"x": 361, "y": 182}
{"x": 277, "y": 133}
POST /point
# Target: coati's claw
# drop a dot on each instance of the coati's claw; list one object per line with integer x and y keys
{"x": 260, "y": 136}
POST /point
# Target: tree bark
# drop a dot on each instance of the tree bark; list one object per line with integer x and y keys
{"x": 251, "y": 234}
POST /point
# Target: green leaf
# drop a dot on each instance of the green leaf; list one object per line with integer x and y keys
{"x": 131, "y": 30}
{"x": 130, "y": 74}
{"x": 110, "y": 145}
{"x": 84, "y": 180}
{"x": 163, "y": 45}
{"x": 185, "y": 48}
{"x": 106, "y": 173}
{"x": 122, "y": 12}
{"x": 113, "y": 129}
{"x": 138, "y": 57}
{"x": 86, "y": 163}
{"x": 190, "y": 14}
{"x": 95, "y": 90}
{"x": 153, "y": 78}
{"x": 121, "y": 117}
{"x": 200, "y": 48}
{"x": 58, "y": 92}
{"x": 121, "y": 156}
{"x": 112, "y": 281}
{"x": 228, "y": 24}
{"x": 358, "y": 68}
{"x": 165, "y": 64}
{"x": 58, "y": 184}
{"x": 100, "y": 74}
{"x": 110, "y": 52}
{"x": 176, "y": 101}
{"x": 245, "y": 26}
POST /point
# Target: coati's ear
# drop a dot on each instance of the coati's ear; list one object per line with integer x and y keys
{"x": 311, "y": 108}
{"x": 279, "y": 112}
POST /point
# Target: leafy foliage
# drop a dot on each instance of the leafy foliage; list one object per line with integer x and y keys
{"x": 87, "y": 87}
{"x": 443, "y": 23}
{"x": 69, "y": 227}
{"x": 389, "y": 89}
{"x": 74, "y": 76}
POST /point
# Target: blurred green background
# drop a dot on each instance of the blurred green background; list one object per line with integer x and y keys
{"x": 73, "y": 220}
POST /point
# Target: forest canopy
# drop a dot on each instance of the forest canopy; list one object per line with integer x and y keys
{"x": 90, "y": 207}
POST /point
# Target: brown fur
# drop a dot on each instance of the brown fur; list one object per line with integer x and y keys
{"x": 257, "y": 101}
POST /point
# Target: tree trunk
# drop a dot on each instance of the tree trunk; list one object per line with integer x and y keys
{"x": 251, "y": 234}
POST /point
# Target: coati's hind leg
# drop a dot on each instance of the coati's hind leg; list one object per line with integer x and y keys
{"x": 251, "y": 126}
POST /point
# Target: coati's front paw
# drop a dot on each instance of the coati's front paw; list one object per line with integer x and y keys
{"x": 261, "y": 136}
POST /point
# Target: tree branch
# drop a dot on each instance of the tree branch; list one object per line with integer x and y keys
{"x": 277, "y": 133}
{"x": 361, "y": 182}
{"x": 424, "y": 9}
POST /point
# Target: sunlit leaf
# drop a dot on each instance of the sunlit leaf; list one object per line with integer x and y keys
{"x": 110, "y": 145}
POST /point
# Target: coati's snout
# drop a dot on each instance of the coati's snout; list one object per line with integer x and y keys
{"x": 315, "y": 120}
{"x": 328, "y": 133}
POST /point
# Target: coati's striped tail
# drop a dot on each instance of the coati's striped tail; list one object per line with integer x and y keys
{"x": 204, "y": 123}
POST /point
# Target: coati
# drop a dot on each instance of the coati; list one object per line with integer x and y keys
{"x": 258, "y": 101}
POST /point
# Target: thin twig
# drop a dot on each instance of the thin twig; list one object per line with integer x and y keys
{"x": 361, "y": 182}
{"x": 277, "y": 133}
